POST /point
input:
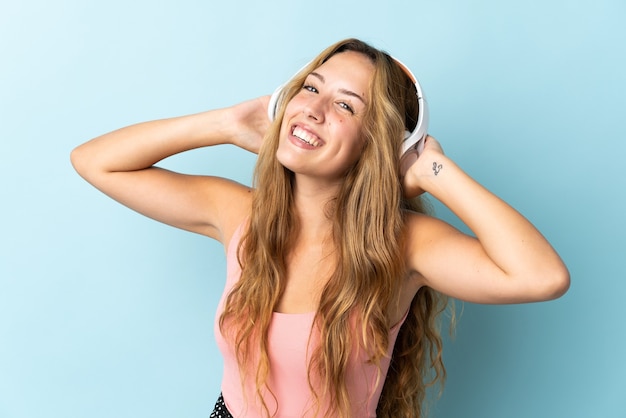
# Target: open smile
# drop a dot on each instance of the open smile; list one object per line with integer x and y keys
{"x": 306, "y": 136}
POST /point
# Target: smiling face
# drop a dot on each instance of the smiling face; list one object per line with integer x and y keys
{"x": 321, "y": 133}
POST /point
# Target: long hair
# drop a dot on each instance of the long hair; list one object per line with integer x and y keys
{"x": 368, "y": 217}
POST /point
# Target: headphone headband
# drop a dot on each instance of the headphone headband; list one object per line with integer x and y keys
{"x": 411, "y": 140}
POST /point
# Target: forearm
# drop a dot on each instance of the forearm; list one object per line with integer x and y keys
{"x": 142, "y": 145}
{"x": 508, "y": 239}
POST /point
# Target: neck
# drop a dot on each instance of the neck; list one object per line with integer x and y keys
{"x": 311, "y": 201}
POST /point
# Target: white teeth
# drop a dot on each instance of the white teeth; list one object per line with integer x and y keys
{"x": 306, "y": 136}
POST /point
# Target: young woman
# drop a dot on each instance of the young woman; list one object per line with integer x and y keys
{"x": 335, "y": 274}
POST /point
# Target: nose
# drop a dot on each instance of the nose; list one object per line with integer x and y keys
{"x": 315, "y": 109}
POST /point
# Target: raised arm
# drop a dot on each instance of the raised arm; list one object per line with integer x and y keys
{"x": 508, "y": 260}
{"x": 121, "y": 164}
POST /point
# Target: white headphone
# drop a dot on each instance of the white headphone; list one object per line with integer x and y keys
{"x": 412, "y": 140}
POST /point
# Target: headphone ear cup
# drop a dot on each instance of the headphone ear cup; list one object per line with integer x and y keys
{"x": 415, "y": 139}
{"x": 277, "y": 96}
{"x": 420, "y": 145}
{"x": 273, "y": 105}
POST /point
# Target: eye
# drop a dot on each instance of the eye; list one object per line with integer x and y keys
{"x": 346, "y": 106}
{"x": 310, "y": 88}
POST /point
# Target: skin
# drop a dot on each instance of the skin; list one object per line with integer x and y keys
{"x": 507, "y": 261}
{"x": 331, "y": 107}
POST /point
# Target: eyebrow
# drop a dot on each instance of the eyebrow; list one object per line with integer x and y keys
{"x": 343, "y": 91}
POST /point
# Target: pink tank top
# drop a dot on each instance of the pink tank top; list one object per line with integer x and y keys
{"x": 288, "y": 349}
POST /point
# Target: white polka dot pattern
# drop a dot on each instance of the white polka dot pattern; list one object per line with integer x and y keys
{"x": 220, "y": 410}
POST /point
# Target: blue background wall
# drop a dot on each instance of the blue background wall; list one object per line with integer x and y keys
{"x": 104, "y": 313}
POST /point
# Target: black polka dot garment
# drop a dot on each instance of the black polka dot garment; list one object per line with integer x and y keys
{"x": 220, "y": 410}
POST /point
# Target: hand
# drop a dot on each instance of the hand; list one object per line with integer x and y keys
{"x": 250, "y": 123}
{"x": 414, "y": 168}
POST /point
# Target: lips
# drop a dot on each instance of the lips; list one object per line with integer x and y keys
{"x": 306, "y": 136}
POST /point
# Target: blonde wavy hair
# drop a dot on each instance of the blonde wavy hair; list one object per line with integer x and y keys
{"x": 368, "y": 216}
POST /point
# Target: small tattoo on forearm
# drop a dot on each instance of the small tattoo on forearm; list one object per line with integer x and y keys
{"x": 437, "y": 168}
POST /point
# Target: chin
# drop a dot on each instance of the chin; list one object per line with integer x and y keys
{"x": 286, "y": 160}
